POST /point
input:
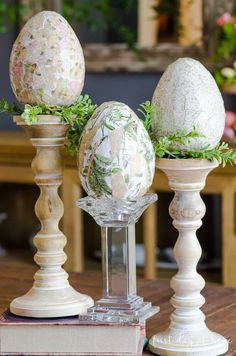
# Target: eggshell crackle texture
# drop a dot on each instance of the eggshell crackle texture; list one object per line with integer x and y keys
{"x": 47, "y": 62}
{"x": 187, "y": 96}
{"x": 116, "y": 156}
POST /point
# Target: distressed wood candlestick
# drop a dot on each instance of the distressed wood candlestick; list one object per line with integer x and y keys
{"x": 187, "y": 334}
{"x": 51, "y": 294}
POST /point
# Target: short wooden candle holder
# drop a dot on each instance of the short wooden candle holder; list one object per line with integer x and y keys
{"x": 187, "y": 334}
{"x": 51, "y": 294}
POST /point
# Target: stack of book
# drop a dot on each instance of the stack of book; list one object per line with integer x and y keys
{"x": 68, "y": 336}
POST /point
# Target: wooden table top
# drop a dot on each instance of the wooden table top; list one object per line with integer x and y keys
{"x": 220, "y": 307}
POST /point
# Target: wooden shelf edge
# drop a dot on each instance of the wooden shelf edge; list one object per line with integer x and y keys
{"x": 117, "y": 57}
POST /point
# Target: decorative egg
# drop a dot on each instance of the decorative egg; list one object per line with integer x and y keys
{"x": 47, "y": 62}
{"x": 187, "y": 96}
{"x": 116, "y": 156}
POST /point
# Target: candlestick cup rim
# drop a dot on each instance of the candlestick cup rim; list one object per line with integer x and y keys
{"x": 186, "y": 164}
{"x": 42, "y": 120}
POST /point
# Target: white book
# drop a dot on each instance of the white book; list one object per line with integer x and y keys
{"x": 68, "y": 336}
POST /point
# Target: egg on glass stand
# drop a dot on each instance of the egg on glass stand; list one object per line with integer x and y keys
{"x": 47, "y": 62}
{"x": 116, "y": 156}
{"x": 185, "y": 97}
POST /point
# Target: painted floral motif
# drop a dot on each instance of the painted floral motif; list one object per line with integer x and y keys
{"x": 188, "y": 96}
{"x": 116, "y": 156}
{"x": 47, "y": 63}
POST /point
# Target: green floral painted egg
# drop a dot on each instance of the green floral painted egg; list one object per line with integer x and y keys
{"x": 116, "y": 156}
{"x": 47, "y": 63}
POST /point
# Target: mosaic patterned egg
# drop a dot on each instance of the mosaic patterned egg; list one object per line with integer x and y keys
{"x": 187, "y": 96}
{"x": 116, "y": 156}
{"x": 47, "y": 63}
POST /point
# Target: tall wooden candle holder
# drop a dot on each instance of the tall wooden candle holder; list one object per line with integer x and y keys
{"x": 51, "y": 294}
{"x": 187, "y": 334}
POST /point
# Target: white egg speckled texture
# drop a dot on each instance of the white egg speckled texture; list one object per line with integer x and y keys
{"x": 47, "y": 62}
{"x": 188, "y": 96}
{"x": 116, "y": 156}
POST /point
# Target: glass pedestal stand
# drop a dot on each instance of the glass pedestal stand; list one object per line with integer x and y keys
{"x": 117, "y": 219}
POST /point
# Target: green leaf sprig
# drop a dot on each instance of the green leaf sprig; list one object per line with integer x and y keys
{"x": 222, "y": 153}
{"x": 5, "y": 107}
{"x": 170, "y": 146}
{"x": 30, "y": 113}
{"x": 76, "y": 115}
{"x": 148, "y": 111}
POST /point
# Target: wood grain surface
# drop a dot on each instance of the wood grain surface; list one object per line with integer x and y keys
{"x": 220, "y": 307}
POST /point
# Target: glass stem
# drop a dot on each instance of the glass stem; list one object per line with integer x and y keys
{"x": 119, "y": 263}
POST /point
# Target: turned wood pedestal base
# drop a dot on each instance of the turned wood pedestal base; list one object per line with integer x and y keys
{"x": 179, "y": 342}
{"x": 187, "y": 334}
{"x": 51, "y": 294}
{"x": 40, "y": 303}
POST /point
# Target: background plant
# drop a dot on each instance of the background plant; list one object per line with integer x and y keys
{"x": 9, "y": 12}
{"x": 95, "y": 14}
{"x": 225, "y": 75}
{"x": 104, "y": 14}
{"x": 225, "y": 37}
{"x": 169, "y": 8}
{"x": 225, "y": 50}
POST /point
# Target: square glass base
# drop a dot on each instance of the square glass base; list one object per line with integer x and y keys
{"x": 117, "y": 311}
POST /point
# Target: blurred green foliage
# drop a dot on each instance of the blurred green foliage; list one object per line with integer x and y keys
{"x": 226, "y": 41}
{"x": 93, "y": 13}
{"x": 9, "y": 12}
{"x": 102, "y": 14}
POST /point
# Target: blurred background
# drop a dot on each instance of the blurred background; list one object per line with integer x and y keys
{"x": 127, "y": 45}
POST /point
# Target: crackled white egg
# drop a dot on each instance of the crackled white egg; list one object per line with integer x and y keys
{"x": 116, "y": 156}
{"x": 187, "y": 96}
{"x": 47, "y": 62}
